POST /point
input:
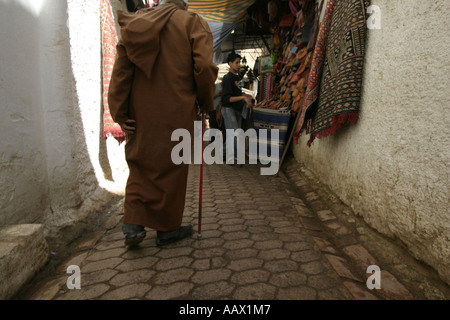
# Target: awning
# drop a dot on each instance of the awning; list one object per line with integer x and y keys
{"x": 225, "y": 11}
{"x": 225, "y": 16}
{"x": 220, "y": 32}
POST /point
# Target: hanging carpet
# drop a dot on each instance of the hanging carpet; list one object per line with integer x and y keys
{"x": 109, "y": 42}
{"x": 334, "y": 86}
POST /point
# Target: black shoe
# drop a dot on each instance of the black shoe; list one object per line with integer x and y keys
{"x": 134, "y": 234}
{"x": 163, "y": 238}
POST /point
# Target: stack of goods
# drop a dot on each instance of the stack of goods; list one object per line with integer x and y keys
{"x": 294, "y": 37}
{"x": 294, "y": 34}
{"x": 272, "y": 119}
{"x": 317, "y": 65}
{"x": 266, "y": 84}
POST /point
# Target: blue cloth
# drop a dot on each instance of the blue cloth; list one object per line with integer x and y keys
{"x": 244, "y": 112}
{"x": 270, "y": 119}
{"x": 233, "y": 120}
{"x": 220, "y": 31}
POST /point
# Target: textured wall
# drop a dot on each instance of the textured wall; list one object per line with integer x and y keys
{"x": 392, "y": 167}
{"x": 23, "y": 254}
{"x": 23, "y": 173}
{"x": 54, "y": 164}
{"x": 85, "y": 59}
{"x": 96, "y": 181}
{"x": 58, "y": 111}
{"x": 39, "y": 174}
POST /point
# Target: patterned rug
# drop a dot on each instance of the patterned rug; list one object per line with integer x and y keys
{"x": 109, "y": 42}
{"x": 334, "y": 87}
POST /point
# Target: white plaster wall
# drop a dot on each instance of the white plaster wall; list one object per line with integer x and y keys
{"x": 98, "y": 178}
{"x": 58, "y": 112}
{"x": 23, "y": 173}
{"x": 392, "y": 167}
{"x": 55, "y": 165}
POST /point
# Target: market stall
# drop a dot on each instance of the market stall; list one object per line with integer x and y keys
{"x": 315, "y": 67}
{"x": 283, "y": 74}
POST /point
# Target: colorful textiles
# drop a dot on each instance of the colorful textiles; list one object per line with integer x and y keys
{"x": 265, "y": 86}
{"x": 109, "y": 42}
{"x": 294, "y": 59}
{"x": 344, "y": 32}
{"x": 313, "y": 87}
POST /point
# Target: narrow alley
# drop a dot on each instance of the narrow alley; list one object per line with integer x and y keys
{"x": 352, "y": 94}
{"x": 263, "y": 238}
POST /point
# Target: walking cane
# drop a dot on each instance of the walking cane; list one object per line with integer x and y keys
{"x": 199, "y": 235}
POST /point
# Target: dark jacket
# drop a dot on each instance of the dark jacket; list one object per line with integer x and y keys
{"x": 230, "y": 89}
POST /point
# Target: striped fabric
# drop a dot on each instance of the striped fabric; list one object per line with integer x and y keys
{"x": 265, "y": 86}
{"x": 271, "y": 119}
{"x": 227, "y": 11}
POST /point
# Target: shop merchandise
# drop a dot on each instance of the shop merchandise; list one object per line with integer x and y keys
{"x": 317, "y": 65}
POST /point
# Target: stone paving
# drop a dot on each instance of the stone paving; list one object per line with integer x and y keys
{"x": 263, "y": 238}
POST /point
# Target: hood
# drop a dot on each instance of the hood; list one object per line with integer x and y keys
{"x": 140, "y": 34}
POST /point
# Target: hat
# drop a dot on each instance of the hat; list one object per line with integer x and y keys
{"x": 185, "y": 2}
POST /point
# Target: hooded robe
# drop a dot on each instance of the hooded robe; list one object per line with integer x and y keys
{"x": 164, "y": 64}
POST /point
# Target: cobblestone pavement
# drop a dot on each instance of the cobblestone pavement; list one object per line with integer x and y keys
{"x": 263, "y": 238}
